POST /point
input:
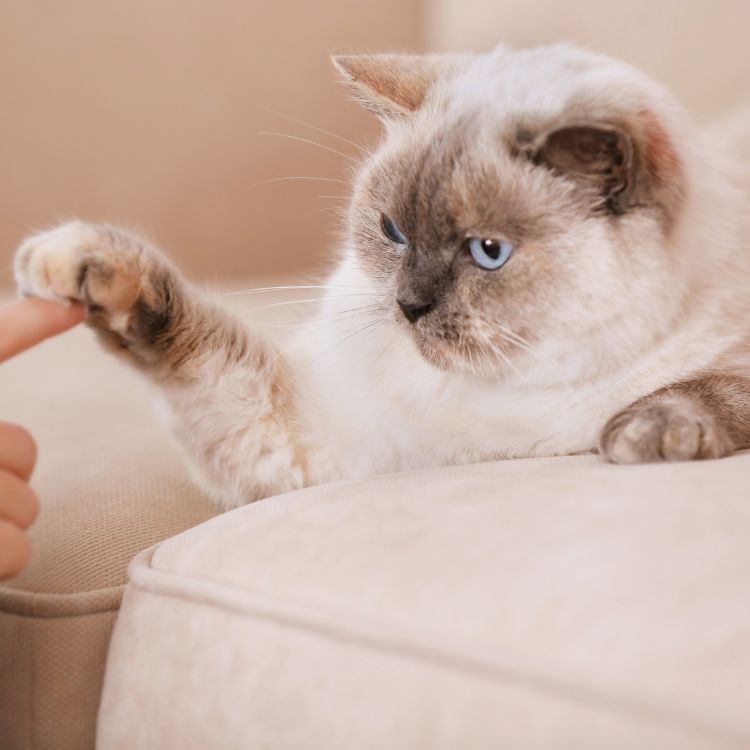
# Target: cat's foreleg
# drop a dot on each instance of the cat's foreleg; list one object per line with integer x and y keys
{"x": 230, "y": 396}
{"x": 706, "y": 417}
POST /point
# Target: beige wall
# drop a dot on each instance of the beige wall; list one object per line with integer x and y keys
{"x": 698, "y": 47}
{"x": 147, "y": 112}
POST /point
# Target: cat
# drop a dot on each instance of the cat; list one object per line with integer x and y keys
{"x": 549, "y": 256}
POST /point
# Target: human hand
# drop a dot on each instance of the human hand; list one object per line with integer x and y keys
{"x": 22, "y": 325}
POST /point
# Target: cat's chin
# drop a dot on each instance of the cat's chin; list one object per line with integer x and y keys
{"x": 470, "y": 360}
{"x": 436, "y": 355}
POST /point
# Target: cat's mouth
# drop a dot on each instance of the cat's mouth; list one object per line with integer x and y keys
{"x": 442, "y": 344}
{"x": 449, "y": 346}
{"x": 446, "y": 339}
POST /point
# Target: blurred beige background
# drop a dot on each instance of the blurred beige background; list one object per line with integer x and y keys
{"x": 148, "y": 112}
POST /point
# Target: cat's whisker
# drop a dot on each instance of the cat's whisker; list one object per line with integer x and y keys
{"x": 377, "y": 305}
{"x": 390, "y": 343}
{"x": 364, "y": 328}
{"x": 282, "y": 351}
{"x": 294, "y": 287}
{"x": 517, "y": 339}
{"x": 311, "y": 142}
{"x": 533, "y": 351}
{"x": 310, "y": 300}
{"x": 322, "y": 321}
{"x": 323, "y": 131}
{"x": 337, "y": 316}
{"x": 498, "y": 350}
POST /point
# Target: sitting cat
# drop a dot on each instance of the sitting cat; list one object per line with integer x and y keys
{"x": 549, "y": 257}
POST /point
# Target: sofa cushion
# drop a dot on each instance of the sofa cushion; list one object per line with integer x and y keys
{"x": 537, "y": 603}
{"x": 110, "y": 484}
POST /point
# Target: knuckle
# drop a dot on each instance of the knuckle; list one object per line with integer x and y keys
{"x": 18, "y": 501}
{"x": 30, "y": 507}
{"x": 15, "y": 550}
{"x": 26, "y": 444}
{"x": 23, "y": 447}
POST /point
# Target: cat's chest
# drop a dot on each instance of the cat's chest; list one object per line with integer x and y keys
{"x": 455, "y": 419}
{"x": 386, "y": 409}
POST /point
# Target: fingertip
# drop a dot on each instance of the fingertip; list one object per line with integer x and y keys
{"x": 32, "y": 320}
{"x": 58, "y": 316}
{"x": 75, "y": 312}
{"x": 62, "y": 310}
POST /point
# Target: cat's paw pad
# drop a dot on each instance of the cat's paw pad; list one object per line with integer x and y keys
{"x": 78, "y": 261}
{"x": 670, "y": 430}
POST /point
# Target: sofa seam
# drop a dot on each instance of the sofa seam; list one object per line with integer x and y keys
{"x": 69, "y": 616}
{"x": 25, "y": 604}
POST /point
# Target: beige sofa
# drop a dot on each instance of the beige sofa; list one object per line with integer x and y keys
{"x": 550, "y": 603}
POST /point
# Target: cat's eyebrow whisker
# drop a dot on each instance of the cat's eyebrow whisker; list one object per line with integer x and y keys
{"x": 300, "y": 177}
{"x": 337, "y": 209}
{"x": 299, "y": 121}
{"x": 311, "y": 142}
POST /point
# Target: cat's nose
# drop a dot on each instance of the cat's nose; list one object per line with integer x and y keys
{"x": 414, "y": 311}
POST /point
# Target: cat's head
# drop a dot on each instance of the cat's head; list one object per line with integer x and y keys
{"x": 517, "y": 199}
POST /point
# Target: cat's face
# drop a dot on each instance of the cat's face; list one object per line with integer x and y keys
{"x": 514, "y": 202}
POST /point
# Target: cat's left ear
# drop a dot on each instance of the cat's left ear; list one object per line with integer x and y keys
{"x": 393, "y": 86}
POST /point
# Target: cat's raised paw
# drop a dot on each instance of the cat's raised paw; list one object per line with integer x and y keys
{"x": 676, "y": 429}
{"x": 83, "y": 262}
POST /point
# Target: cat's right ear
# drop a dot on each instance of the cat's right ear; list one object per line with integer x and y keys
{"x": 602, "y": 157}
{"x": 630, "y": 163}
{"x": 393, "y": 86}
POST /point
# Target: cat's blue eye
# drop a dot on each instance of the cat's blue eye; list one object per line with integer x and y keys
{"x": 489, "y": 254}
{"x": 391, "y": 231}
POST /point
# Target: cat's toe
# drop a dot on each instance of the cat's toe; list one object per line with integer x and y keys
{"x": 49, "y": 264}
{"x": 669, "y": 431}
{"x": 98, "y": 266}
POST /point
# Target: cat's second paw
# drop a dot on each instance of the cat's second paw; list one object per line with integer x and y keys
{"x": 669, "y": 429}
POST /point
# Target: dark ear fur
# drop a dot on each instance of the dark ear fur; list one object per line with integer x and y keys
{"x": 629, "y": 162}
{"x": 393, "y": 86}
{"x": 601, "y": 156}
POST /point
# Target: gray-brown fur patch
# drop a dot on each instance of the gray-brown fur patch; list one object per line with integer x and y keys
{"x": 706, "y": 417}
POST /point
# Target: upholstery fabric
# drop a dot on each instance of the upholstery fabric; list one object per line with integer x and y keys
{"x": 546, "y": 603}
{"x": 110, "y": 484}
